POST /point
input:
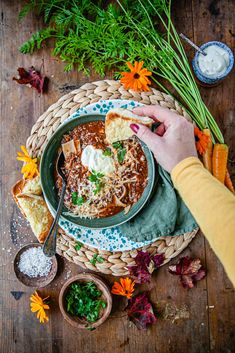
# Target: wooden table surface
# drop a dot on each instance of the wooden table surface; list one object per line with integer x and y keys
{"x": 199, "y": 320}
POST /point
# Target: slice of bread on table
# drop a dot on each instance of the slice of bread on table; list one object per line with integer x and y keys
{"x": 28, "y": 196}
{"x": 117, "y": 124}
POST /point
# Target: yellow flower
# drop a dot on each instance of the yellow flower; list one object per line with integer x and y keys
{"x": 136, "y": 79}
{"x": 30, "y": 167}
{"x": 125, "y": 287}
{"x": 39, "y": 306}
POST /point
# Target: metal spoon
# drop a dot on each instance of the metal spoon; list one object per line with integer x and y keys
{"x": 49, "y": 247}
{"x": 192, "y": 44}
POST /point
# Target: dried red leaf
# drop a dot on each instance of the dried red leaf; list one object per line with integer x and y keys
{"x": 158, "y": 259}
{"x": 31, "y": 77}
{"x": 145, "y": 265}
{"x": 140, "y": 274}
{"x": 143, "y": 258}
{"x": 140, "y": 311}
{"x": 190, "y": 271}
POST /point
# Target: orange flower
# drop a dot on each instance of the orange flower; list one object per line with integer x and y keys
{"x": 136, "y": 79}
{"x": 30, "y": 168}
{"x": 125, "y": 287}
{"x": 39, "y": 306}
{"x": 202, "y": 140}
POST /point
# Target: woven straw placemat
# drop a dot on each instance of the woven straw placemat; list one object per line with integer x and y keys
{"x": 113, "y": 263}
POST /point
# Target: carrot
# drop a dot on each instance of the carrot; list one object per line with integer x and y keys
{"x": 228, "y": 182}
{"x": 219, "y": 161}
{"x": 207, "y": 155}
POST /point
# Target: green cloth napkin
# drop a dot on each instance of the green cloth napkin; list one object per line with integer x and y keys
{"x": 164, "y": 214}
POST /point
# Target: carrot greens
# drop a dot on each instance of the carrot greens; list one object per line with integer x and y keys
{"x": 89, "y": 34}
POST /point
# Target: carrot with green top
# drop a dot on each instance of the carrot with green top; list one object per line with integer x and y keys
{"x": 207, "y": 155}
{"x": 228, "y": 182}
{"x": 219, "y": 161}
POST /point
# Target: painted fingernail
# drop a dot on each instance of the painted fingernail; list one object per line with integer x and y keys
{"x": 134, "y": 127}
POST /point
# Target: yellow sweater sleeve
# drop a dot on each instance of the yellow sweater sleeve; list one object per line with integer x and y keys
{"x": 213, "y": 207}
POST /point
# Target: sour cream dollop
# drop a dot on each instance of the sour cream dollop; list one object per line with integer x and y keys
{"x": 94, "y": 159}
{"x": 215, "y": 63}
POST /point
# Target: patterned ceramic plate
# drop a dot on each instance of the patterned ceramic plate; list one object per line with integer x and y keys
{"x": 111, "y": 239}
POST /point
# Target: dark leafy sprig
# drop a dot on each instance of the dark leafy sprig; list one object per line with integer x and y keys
{"x": 83, "y": 300}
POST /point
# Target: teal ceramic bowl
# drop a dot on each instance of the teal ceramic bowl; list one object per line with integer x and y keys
{"x": 47, "y": 167}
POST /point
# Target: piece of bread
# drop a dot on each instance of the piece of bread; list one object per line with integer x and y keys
{"x": 117, "y": 124}
{"x": 28, "y": 196}
{"x": 37, "y": 213}
{"x": 32, "y": 186}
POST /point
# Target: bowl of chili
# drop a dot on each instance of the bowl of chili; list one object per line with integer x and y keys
{"x": 50, "y": 186}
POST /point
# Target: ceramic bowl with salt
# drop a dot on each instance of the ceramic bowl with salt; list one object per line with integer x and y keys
{"x": 33, "y": 268}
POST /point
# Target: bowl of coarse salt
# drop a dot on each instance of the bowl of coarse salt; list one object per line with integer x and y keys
{"x": 33, "y": 268}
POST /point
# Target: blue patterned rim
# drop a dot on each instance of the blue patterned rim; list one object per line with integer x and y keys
{"x": 198, "y": 71}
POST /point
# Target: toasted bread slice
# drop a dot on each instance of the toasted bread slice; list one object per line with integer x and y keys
{"x": 27, "y": 195}
{"x": 37, "y": 213}
{"x": 117, "y": 124}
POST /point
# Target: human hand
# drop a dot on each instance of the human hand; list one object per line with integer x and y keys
{"x": 172, "y": 141}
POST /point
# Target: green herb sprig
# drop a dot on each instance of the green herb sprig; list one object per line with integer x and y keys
{"x": 95, "y": 178}
{"x": 107, "y": 152}
{"x": 77, "y": 200}
{"x": 96, "y": 258}
{"x": 83, "y": 300}
{"x": 78, "y": 245}
{"x": 121, "y": 151}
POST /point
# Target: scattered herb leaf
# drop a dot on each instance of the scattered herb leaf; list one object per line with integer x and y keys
{"x": 83, "y": 301}
{"x": 117, "y": 145}
{"x": 100, "y": 259}
{"x": 92, "y": 178}
{"x": 78, "y": 245}
{"x": 96, "y": 258}
{"x": 77, "y": 200}
{"x": 190, "y": 271}
{"x": 121, "y": 155}
{"x": 140, "y": 311}
{"x": 121, "y": 152}
{"x": 107, "y": 152}
{"x": 31, "y": 77}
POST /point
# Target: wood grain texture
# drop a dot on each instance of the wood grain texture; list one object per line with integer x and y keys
{"x": 207, "y": 322}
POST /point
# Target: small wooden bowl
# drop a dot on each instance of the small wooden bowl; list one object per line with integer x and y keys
{"x": 42, "y": 281}
{"x": 76, "y": 321}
